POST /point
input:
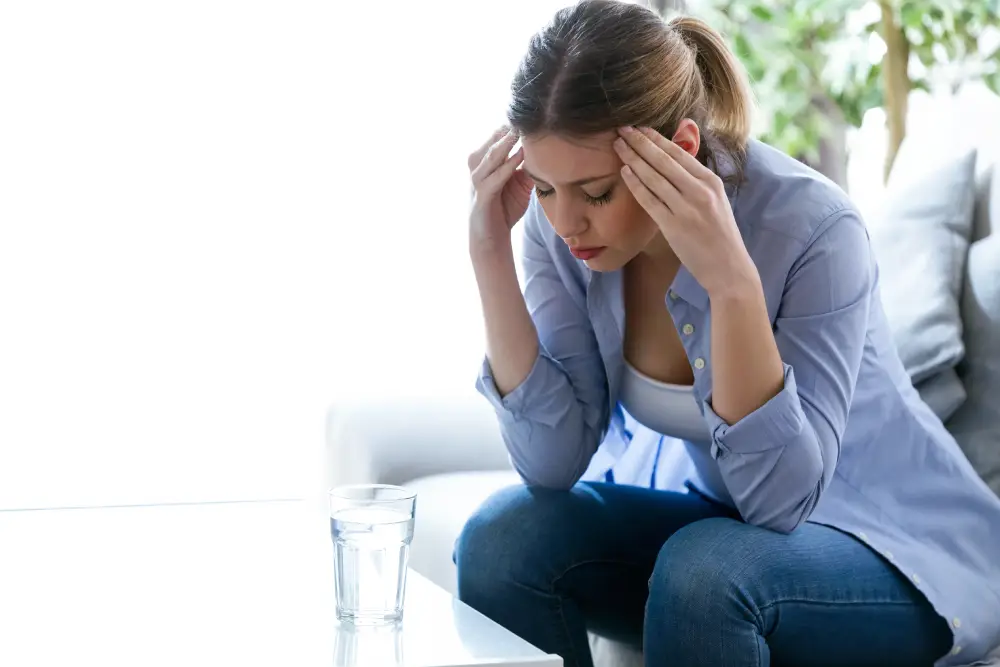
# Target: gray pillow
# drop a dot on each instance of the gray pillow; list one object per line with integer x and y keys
{"x": 921, "y": 240}
{"x": 943, "y": 392}
{"x": 976, "y": 425}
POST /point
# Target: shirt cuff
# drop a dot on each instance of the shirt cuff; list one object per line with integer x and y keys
{"x": 774, "y": 424}
{"x": 515, "y": 401}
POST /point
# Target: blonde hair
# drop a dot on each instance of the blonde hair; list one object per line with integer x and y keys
{"x": 724, "y": 86}
{"x": 603, "y": 64}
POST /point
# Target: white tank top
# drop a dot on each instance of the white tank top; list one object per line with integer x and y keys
{"x": 672, "y": 410}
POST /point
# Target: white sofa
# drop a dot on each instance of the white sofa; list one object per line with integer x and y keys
{"x": 448, "y": 448}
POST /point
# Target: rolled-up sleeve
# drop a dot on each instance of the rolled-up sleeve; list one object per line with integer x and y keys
{"x": 552, "y": 423}
{"x": 778, "y": 459}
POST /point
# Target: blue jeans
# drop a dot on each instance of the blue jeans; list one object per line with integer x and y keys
{"x": 688, "y": 582}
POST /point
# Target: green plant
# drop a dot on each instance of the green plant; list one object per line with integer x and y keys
{"x": 818, "y": 63}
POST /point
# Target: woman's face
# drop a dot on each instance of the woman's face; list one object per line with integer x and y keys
{"x": 580, "y": 188}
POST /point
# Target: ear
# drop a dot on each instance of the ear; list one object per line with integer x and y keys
{"x": 688, "y": 136}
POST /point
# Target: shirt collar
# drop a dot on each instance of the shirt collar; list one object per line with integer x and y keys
{"x": 686, "y": 287}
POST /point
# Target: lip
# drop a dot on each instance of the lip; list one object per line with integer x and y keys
{"x": 587, "y": 253}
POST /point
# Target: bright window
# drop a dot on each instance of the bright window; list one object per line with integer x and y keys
{"x": 216, "y": 218}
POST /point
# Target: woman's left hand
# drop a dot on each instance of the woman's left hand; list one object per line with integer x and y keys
{"x": 688, "y": 202}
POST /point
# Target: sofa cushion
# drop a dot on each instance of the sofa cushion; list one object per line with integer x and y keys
{"x": 921, "y": 238}
{"x": 944, "y": 393}
{"x": 976, "y": 424}
{"x": 444, "y": 503}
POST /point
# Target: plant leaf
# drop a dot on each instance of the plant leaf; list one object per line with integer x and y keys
{"x": 762, "y": 12}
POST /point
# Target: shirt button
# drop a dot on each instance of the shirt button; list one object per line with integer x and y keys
{"x": 915, "y": 578}
{"x": 699, "y": 363}
{"x": 956, "y": 650}
{"x": 687, "y": 329}
{"x": 888, "y": 555}
{"x": 673, "y": 294}
{"x": 956, "y": 622}
{"x": 863, "y": 536}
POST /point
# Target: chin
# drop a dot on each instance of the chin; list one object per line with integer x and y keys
{"x": 607, "y": 261}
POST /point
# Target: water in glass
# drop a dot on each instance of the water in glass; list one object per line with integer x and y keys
{"x": 371, "y": 538}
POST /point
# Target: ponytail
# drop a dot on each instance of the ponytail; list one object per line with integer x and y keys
{"x": 728, "y": 96}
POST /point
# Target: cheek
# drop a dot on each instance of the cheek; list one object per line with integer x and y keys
{"x": 624, "y": 223}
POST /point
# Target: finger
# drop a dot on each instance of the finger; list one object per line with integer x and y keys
{"x": 496, "y": 180}
{"x": 495, "y": 156}
{"x": 659, "y": 159}
{"x": 685, "y": 159}
{"x": 523, "y": 182}
{"x": 650, "y": 202}
{"x": 477, "y": 155}
{"x": 654, "y": 181}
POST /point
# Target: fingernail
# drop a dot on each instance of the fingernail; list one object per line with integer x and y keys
{"x": 628, "y": 129}
{"x": 619, "y": 144}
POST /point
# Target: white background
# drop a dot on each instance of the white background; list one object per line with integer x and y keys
{"x": 217, "y": 218}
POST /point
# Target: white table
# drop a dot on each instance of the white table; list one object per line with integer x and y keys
{"x": 240, "y": 584}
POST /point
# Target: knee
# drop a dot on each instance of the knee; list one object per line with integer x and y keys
{"x": 700, "y": 571}
{"x": 509, "y": 538}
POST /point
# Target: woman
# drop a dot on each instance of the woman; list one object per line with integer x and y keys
{"x": 684, "y": 281}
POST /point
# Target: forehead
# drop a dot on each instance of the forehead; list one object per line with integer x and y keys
{"x": 559, "y": 160}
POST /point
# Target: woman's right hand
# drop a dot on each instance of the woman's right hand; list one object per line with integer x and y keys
{"x": 501, "y": 191}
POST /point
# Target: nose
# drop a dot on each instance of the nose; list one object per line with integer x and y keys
{"x": 568, "y": 220}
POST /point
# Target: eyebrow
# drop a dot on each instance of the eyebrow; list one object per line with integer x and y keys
{"x": 582, "y": 181}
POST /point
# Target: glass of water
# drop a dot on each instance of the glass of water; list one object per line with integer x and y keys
{"x": 371, "y": 526}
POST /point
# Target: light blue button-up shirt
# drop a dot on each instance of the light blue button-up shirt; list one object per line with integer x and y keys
{"x": 847, "y": 442}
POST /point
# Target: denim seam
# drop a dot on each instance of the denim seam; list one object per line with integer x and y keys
{"x": 569, "y": 637}
{"x": 837, "y": 603}
{"x": 559, "y": 609}
{"x": 555, "y": 581}
{"x": 760, "y": 658}
{"x": 558, "y": 600}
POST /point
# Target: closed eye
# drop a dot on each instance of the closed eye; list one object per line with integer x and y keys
{"x": 599, "y": 200}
